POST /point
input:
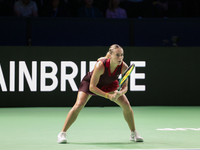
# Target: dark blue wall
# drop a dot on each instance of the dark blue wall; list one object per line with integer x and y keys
{"x": 98, "y": 32}
{"x": 79, "y": 32}
{"x": 152, "y": 32}
{"x": 13, "y": 31}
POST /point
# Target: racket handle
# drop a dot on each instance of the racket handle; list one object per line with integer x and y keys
{"x": 119, "y": 88}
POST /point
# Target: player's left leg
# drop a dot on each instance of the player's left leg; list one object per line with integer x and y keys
{"x": 129, "y": 117}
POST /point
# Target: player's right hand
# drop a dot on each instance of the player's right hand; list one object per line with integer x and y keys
{"x": 114, "y": 96}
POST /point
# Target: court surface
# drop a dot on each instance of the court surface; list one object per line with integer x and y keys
{"x": 100, "y": 128}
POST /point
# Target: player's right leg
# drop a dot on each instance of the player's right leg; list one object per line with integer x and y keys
{"x": 82, "y": 99}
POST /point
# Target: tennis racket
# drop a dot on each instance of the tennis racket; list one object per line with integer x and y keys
{"x": 125, "y": 76}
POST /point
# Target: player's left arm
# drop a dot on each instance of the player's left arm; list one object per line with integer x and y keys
{"x": 124, "y": 87}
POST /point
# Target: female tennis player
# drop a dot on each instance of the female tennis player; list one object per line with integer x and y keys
{"x": 102, "y": 81}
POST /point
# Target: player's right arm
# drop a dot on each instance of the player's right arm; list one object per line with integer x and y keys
{"x": 98, "y": 71}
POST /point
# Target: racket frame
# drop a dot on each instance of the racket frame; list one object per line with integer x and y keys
{"x": 126, "y": 74}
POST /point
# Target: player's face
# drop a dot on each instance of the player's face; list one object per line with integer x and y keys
{"x": 117, "y": 56}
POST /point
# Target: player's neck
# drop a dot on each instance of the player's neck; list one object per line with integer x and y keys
{"x": 112, "y": 65}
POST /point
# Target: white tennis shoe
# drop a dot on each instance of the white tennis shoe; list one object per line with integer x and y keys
{"x": 62, "y": 138}
{"x": 135, "y": 137}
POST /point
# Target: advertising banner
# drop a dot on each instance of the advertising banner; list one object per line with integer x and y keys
{"x": 50, "y": 76}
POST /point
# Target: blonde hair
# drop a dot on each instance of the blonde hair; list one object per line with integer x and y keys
{"x": 112, "y": 47}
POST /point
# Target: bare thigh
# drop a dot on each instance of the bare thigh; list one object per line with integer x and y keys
{"x": 81, "y": 101}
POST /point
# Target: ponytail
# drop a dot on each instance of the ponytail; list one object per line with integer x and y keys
{"x": 107, "y": 55}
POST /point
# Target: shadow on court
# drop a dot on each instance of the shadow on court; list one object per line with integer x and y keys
{"x": 103, "y": 143}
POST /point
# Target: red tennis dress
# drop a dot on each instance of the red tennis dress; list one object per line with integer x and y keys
{"x": 108, "y": 82}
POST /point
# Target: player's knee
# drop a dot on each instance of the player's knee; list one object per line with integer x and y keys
{"x": 126, "y": 106}
{"x": 78, "y": 107}
{"x": 126, "y": 103}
